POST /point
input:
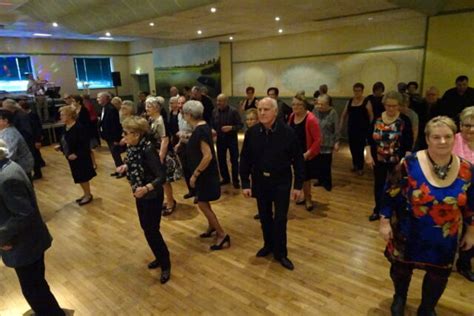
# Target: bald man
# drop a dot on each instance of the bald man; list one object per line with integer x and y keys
{"x": 226, "y": 122}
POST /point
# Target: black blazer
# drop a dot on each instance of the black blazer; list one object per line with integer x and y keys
{"x": 21, "y": 225}
{"x": 110, "y": 128}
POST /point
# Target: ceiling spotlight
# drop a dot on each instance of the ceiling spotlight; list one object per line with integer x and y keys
{"x": 152, "y": 24}
{"x": 199, "y": 32}
{"x": 213, "y": 10}
{"x": 107, "y": 34}
{"x": 280, "y": 31}
{"x": 277, "y": 18}
{"x": 42, "y": 34}
{"x": 55, "y": 24}
{"x": 231, "y": 38}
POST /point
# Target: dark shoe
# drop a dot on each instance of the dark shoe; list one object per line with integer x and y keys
{"x": 195, "y": 201}
{"x": 256, "y": 216}
{"x": 398, "y": 306}
{"x": 114, "y": 174}
{"x": 467, "y": 274}
{"x": 188, "y": 195}
{"x": 85, "y": 201}
{"x": 422, "y": 311}
{"x": 374, "y": 217}
{"x": 285, "y": 262}
{"x": 263, "y": 252}
{"x": 302, "y": 202}
{"x": 154, "y": 264}
{"x": 169, "y": 210}
{"x": 120, "y": 175}
{"x": 224, "y": 182}
{"x": 165, "y": 276}
{"x": 37, "y": 176}
{"x": 309, "y": 206}
{"x": 236, "y": 185}
{"x": 79, "y": 199}
{"x": 208, "y": 233}
{"x": 224, "y": 242}
{"x": 327, "y": 187}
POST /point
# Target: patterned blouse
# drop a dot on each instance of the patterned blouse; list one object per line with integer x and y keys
{"x": 427, "y": 220}
{"x": 390, "y": 142}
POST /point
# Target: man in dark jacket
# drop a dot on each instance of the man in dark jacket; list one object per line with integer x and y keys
{"x": 196, "y": 94}
{"x": 110, "y": 129}
{"x": 456, "y": 99}
{"x": 24, "y": 236}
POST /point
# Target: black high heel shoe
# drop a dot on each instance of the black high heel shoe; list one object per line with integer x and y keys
{"x": 220, "y": 246}
{"x": 208, "y": 233}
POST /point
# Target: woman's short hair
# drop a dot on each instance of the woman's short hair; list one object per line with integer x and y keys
{"x": 77, "y": 98}
{"x": 467, "y": 113}
{"x": 156, "y": 102}
{"x": 440, "y": 121}
{"x": 11, "y": 105}
{"x": 116, "y": 100}
{"x": 129, "y": 105}
{"x": 194, "y": 108}
{"x": 250, "y": 89}
{"x": 251, "y": 111}
{"x": 324, "y": 98}
{"x": 378, "y": 86}
{"x": 393, "y": 95}
{"x": 301, "y": 97}
{"x": 136, "y": 124}
{"x": 174, "y": 99}
{"x": 6, "y": 115}
{"x": 359, "y": 85}
{"x": 3, "y": 149}
{"x": 69, "y": 110}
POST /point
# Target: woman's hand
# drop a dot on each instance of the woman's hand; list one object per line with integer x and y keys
{"x": 369, "y": 160}
{"x": 247, "y": 193}
{"x": 57, "y": 148}
{"x": 121, "y": 169}
{"x": 468, "y": 240}
{"x": 385, "y": 229}
{"x": 336, "y": 147}
{"x": 72, "y": 157}
{"x": 306, "y": 155}
{"x": 140, "y": 192}
{"x": 192, "y": 181}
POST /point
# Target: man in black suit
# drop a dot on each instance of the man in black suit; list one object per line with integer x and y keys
{"x": 456, "y": 99}
{"x": 110, "y": 129}
{"x": 196, "y": 94}
{"x": 24, "y": 236}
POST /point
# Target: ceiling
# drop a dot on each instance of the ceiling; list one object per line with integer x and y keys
{"x": 129, "y": 20}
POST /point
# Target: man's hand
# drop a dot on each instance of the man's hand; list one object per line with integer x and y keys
{"x": 247, "y": 193}
{"x": 295, "y": 194}
{"x": 226, "y": 128}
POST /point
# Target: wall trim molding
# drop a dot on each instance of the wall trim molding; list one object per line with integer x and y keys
{"x": 333, "y": 54}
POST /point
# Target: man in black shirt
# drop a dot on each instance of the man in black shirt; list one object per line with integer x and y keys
{"x": 196, "y": 94}
{"x": 226, "y": 122}
{"x": 270, "y": 149}
{"x": 284, "y": 110}
{"x": 456, "y": 99}
{"x": 376, "y": 99}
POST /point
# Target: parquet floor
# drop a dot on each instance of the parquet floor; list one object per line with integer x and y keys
{"x": 97, "y": 264}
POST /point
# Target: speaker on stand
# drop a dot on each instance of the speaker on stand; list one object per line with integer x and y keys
{"x": 116, "y": 80}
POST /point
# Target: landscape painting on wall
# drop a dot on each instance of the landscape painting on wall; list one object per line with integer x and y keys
{"x": 196, "y": 64}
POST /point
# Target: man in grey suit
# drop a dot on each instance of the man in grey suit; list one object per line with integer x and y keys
{"x": 24, "y": 236}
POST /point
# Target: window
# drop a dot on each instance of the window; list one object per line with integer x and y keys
{"x": 93, "y": 72}
{"x": 14, "y": 71}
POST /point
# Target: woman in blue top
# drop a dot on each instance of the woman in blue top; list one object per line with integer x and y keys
{"x": 427, "y": 201}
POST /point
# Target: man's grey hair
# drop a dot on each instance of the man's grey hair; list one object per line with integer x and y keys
{"x": 104, "y": 93}
{"x": 194, "y": 108}
{"x": 324, "y": 98}
{"x": 272, "y": 102}
{"x": 11, "y": 105}
{"x": 196, "y": 88}
{"x": 3, "y": 149}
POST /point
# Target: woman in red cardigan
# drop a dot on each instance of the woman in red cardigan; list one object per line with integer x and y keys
{"x": 306, "y": 127}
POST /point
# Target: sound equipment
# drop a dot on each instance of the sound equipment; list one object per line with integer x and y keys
{"x": 116, "y": 79}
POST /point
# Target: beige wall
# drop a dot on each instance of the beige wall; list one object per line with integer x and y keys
{"x": 389, "y": 52}
{"x": 450, "y": 49}
{"x": 53, "y": 59}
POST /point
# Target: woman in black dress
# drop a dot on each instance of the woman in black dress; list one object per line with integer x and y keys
{"x": 75, "y": 145}
{"x": 205, "y": 178}
{"x": 146, "y": 175}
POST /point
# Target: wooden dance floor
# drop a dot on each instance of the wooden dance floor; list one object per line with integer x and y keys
{"x": 98, "y": 262}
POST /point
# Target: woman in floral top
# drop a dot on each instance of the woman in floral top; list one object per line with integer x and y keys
{"x": 426, "y": 202}
{"x": 389, "y": 140}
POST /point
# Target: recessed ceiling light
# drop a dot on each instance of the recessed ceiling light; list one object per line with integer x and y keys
{"x": 55, "y": 24}
{"x": 213, "y": 10}
{"x": 107, "y": 34}
{"x": 152, "y": 24}
{"x": 370, "y": 19}
{"x": 280, "y": 31}
{"x": 199, "y": 32}
{"x": 106, "y": 38}
{"x": 42, "y": 34}
{"x": 231, "y": 38}
{"x": 277, "y": 18}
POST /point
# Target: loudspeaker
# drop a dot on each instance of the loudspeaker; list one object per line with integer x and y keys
{"x": 116, "y": 80}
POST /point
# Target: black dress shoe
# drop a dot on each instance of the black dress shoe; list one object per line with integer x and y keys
{"x": 154, "y": 265}
{"x": 188, "y": 195}
{"x": 263, "y": 252}
{"x": 256, "y": 216}
{"x": 285, "y": 262}
{"x": 120, "y": 175}
{"x": 37, "y": 176}
{"x": 114, "y": 174}
{"x": 467, "y": 274}
{"x": 398, "y": 306}
{"x": 327, "y": 187}
{"x": 374, "y": 217}
{"x": 224, "y": 182}
{"x": 422, "y": 311}
{"x": 165, "y": 276}
{"x": 86, "y": 201}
